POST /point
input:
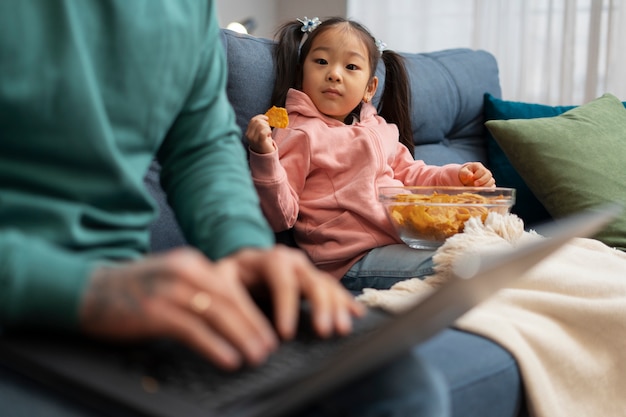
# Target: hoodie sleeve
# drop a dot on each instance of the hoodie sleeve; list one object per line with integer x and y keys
{"x": 416, "y": 172}
{"x": 279, "y": 177}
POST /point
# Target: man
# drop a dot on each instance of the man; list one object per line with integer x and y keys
{"x": 90, "y": 92}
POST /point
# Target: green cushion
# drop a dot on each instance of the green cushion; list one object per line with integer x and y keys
{"x": 572, "y": 161}
{"x": 526, "y": 206}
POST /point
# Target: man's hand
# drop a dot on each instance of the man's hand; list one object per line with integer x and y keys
{"x": 208, "y": 306}
{"x": 288, "y": 274}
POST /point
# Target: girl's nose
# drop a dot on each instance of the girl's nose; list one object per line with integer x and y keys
{"x": 333, "y": 75}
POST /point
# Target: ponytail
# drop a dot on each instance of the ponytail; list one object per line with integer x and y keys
{"x": 286, "y": 57}
{"x": 395, "y": 103}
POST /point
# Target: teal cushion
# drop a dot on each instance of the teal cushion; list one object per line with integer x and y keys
{"x": 527, "y": 206}
{"x": 572, "y": 161}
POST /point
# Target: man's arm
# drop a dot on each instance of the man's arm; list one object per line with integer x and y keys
{"x": 204, "y": 168}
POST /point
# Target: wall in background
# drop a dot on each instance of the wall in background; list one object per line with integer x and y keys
{"x": 271, "y": 13}
{"x": 556, "y": 52}
{"x": 293, "y": 9}
{"x": 263, "y": 11}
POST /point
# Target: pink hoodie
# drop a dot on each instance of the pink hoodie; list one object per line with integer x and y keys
{"x": 323, "y": 181}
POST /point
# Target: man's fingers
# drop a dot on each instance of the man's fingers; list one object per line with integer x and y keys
{"x": 251, "y": 334}
{"x": 192, "y": 330}
{"x": 347, "y": 308}
{"x": 213, "y": 325}
{"x": 329, "y": 301}
{"x": 229, "y": 311}
{"x": 286, "y": 301}
{"x": 211, "y": 294}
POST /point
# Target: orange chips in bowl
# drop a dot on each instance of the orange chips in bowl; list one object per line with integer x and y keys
{"x": 277, "y": 117}
{"x": 424, "y": 217}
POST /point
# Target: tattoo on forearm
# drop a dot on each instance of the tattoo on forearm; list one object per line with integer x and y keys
{"x": 119, "y": 291}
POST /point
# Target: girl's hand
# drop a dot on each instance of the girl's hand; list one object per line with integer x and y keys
{"x": 259, "y": 134}
{"x": 475, "y": 174}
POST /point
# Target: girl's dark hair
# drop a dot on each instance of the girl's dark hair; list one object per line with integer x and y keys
{"x": 290, "y": 52}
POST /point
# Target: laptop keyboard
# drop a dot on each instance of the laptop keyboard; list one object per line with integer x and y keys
{"x": 171, "y": 367}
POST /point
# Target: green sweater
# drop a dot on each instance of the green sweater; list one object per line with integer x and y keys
{"x": 90, "y": 92}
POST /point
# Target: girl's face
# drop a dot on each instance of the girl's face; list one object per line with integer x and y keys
{"x": 336, "y": 74}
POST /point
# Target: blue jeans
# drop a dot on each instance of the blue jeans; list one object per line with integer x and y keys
{"x": 482, "y": 378}
{"x": 404, "y": 388}
{"x": 382, "y": 267}
{"x": 410, "y": 386}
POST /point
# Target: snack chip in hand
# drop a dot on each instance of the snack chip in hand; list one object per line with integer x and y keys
{"x": 277, "y": 117}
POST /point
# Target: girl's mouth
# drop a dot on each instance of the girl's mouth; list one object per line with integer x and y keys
{"x": 331, "y": 91}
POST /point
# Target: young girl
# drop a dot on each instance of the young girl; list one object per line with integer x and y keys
{"x": 320, "y": 176}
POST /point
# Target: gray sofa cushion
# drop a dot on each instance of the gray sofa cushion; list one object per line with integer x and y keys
{"x": 447, "y": 107}
{"x": 250, "y": 75}
{"x": 447, "y": 89}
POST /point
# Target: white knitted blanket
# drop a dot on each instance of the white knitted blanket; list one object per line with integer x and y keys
{"x": 564, "y": 320}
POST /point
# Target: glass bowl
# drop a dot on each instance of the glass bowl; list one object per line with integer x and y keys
{"x": 424, "y": 217}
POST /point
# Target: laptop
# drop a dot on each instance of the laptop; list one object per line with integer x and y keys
{"x": 164, "y": 379}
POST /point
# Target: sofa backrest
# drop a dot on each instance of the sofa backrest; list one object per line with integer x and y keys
{"x": 447, "y": 89}
{"x": 447, "y": 109}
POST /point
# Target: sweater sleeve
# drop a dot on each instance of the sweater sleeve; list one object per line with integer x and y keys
{"x": 48, "y": 255}
{"x": 204, "y": 168}
{"x": 416, "y": 172}
{"x": 40, "y": 284}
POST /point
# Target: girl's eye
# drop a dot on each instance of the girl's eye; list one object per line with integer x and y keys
{"x": 321, "y": 61}
{"x": 352, "y": 67}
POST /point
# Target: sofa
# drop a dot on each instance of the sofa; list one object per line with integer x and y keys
{"x": 448, "y": 94}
